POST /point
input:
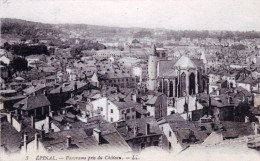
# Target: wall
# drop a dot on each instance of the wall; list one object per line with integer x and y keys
{"x": 102, "y": 102}
{"x": 15, "y": 123}
{"x": 175, "y": 146}
{"x": 151, "y": 110}
{"x": 256, "y": 100}
{"x": 161, "y": 101}
{"x": 115, "y": 114}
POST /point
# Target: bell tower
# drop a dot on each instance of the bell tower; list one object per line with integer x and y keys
{"x": 152, "y": 70}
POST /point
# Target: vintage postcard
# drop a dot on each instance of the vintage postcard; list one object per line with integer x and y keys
{"x": 130, "y": 80}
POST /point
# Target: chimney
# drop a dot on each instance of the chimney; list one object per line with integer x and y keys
{"x": 246, "y": 119}
{"x": 255, "y": 127}
{"x": 75, "y": 86}
{"x": 68, "y": 141}
{"x": 47, "y": 122}
{"x": 32, "y": 122}
{"x": 36, "y": 138}
{"x": 229, "y": 100}
{"x": 51, "y": 114}
{"x": 136, "y": 129}
{"x": 148, "y": 128}
{"x": 25, "y": 139}
{"x": 42, "y": 134}
{"x": 133, "y": 97}
{"x": 218, "y": 92}
{"x": 127, "y": 128}
{"x": 221, "y": 136}
{"x": 97, "y": 135}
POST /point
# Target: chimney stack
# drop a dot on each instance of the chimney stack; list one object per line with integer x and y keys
{"x": 75, "y": 86}
{"x": 36, "y": 138}
{"x": 127, "y": 128}
{"x": 47, "y": 122}
{"x": 68, "y": 141}
{"x": 148, "y": 128}
{"x": 32, "y": 122}
{"x": 51, "y": 114}
{"x": 97, "y": 135}
{"x": 10, "y": 118}
{"x": 218, "y": 92}
{"x": 229, "y": 100}
{"x": 246, "y": 119}
{"x": 42, "y": 134}
{"x": 25, "y": 139}
{"x": 133, "y": 97}
{"x": 136, "y": 129}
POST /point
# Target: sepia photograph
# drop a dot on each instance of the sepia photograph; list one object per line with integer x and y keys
{"x": 129, "y": 80}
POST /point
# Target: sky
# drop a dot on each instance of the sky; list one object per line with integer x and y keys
{"x": 241, "y": 15}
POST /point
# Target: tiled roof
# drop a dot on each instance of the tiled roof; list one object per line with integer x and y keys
{"x": 165, "y": 66}
{"x": 173, "y": 118}
{"x": 141, "y": 122}
{"x": 185, "y": 62}
{"x": 69, "y": 87}
{"x": 182, "y": 130}
{"x": 32, "y": 102}
{"x": 237, "y": 129}
{"x": 10, "y": 138}
{"x": 83, "y": 140}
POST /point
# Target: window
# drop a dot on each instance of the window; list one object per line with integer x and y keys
{"x": 111, "y": 119}
{"x": 170, "y": 133}
{"x": 162, "y": 128}
{"x": 111, "y": 111}
{"x": 133, "y": 109}
{"x": 123, "y": 112}
{"x": 127, "y": 117}
{"x": 170, "y": 146}
{"x": 142, "y": 145}
{"x": 155, "y": 143}
{"x": 128, "y": 110}
{"x": 101, "y": 109}
{"x": 133, "y": 117}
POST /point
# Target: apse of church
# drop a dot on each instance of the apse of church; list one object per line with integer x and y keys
{"x": 174, "y": 78}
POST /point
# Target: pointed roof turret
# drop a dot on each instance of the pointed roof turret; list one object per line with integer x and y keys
{"x": 154, "y": 50}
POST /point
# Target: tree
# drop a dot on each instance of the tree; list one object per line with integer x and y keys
{"x": 19, "y": 64}
{"x": 243, "y": 110}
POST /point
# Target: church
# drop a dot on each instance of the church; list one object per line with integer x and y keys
{"x": 176, "y": 78}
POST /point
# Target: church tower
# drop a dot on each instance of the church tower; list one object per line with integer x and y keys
{"x": 152, "y": 70}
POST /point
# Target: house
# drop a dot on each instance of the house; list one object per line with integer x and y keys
{"x": 141, "y": 133}
{"x": 93, "y": 79}
{"x": 116, "y": 107}
{"x": 34, "y": 59}
{"x": 256, "y": 94}
{"x": 180, "y": 133}
{"x": 156, "y": 105}
{"x": 248, "y": 82}
{"x": 213, "y": 86}
{"x": 37, "y": 106}
{"x": 2, "y": 83}
{"x": 65, "y": 91}
{"x": 5, "y": 60}
{"x": 189, "y": 107}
